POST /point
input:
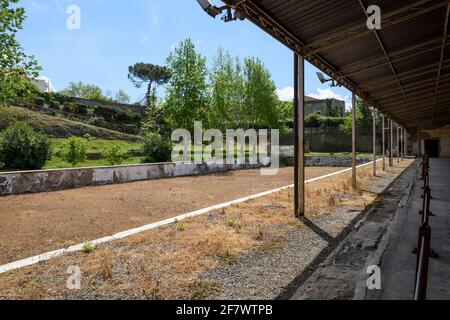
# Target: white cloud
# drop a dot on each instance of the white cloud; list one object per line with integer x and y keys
{"x": 286, "y": 94}
{"x": 325, "y": 94}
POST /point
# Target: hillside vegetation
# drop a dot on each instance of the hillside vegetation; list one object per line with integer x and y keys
{"x": 58, "y": 127}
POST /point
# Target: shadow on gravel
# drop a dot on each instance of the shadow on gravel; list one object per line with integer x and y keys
{"x": 317, "y": 230}
{"x": 333, "y": 243}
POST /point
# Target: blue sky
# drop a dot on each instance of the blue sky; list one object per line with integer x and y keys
{"x": 115, "y": 34}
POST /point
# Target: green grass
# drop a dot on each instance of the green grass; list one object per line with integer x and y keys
{"x": 58, "y": 163}
{"x": 98, "y": 145}
{"x": 94, "y": 146}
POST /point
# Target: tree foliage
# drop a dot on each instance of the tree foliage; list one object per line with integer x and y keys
{"x": 261, "y": 101}
{"x": 150, "y": 74}
{"x": 154, "y": 76}
{"x": 85, "y": 91}
{"x": 74, "y": 150}
{"x": 24, "y": 149}
{"x": 187, "y": 91}
{"x": 227, "y": 91}
{"x": 363, "y": 119}
{"x": 16, "y": 68}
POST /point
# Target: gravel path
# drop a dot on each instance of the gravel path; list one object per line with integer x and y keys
{"x": 278, "y": 273}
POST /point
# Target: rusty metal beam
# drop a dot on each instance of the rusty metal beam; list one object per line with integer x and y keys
{"x": 255, "y": 13}
{"x": 351, "y": 29}
{"x": 411, "y": 74}
{"x": 444, "y": 39}
{"x": 363, "y": 31}
{"x": 383, "y": 146}
{"x": 380, "y": 42}
{"x": 399, "y": 54}
{"x": 354, "y": 184}
{"x": 379, "y": 63}
{"x": 299, "y": 136}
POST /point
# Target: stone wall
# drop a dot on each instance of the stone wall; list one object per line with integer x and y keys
{"x": 332, "y": 140}
{"x": 52, "y": 180}
{"x": 327, "y": 161}
{"x": 122, "y": 106}
{"x": 325, "y": 107}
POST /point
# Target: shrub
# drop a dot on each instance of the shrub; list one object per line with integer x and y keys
{"x": 114, "y": 155}
{"x": 96, "y": 121}
{"x": 56, "y": 96}
{"x": 87, "y": 248}
{"x": 69, "y": 107}
{"x": 74, "y": 150}
{"x": 55, "y": 105}
{"x": 39, "y": 101}
{"x": 156, "y": 148}
{"x": 24, "y": 149}
{"x": 81, "y": 109}
{"x": 107, "y": 113}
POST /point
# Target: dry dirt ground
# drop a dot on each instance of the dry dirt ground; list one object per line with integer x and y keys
{"x": 171, "y": 262}
{"x": 37, "y": 223}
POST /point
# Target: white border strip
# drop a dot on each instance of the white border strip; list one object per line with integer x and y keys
{"x": 124, "y": 234}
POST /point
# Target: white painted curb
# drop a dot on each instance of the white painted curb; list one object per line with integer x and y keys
{"x": 124, "y": 234}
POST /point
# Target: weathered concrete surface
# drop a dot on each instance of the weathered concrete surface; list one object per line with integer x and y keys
{"x": 343, "y": 274}
{"x": 398, "y": 263}
{"x": 327, "y": 161}
{"x": 52, "y": 180}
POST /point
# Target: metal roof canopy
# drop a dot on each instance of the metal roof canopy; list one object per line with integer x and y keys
{"x": 403, "y": 69}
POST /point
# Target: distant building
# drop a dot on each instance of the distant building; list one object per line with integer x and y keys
{"x": 44, "y": 84}
{"x": 324, "y": 107}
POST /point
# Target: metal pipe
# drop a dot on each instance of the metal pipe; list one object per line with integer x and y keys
{"x": 354, "y": 141}
{"x": 402, "y": 144}
{"x": 374, "y": 121}
{"x": 299, "y": 133}
{"x": 383, "y": 143}
{"x": 391, "y": 143}
{"x": 398, "y": 143}
{"x": 405, "y": 138}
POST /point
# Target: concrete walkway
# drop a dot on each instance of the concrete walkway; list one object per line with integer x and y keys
{"x": 398, "y": 263}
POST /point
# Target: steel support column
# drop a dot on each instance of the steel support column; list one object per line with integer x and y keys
{"x": 383, "y": 142}
{"x": 374, "y": 120}
{"x": 405, "y": 138}
{"x": 402, "y": 146}
{"x": 354, "y": 140}
{"x": 299, "y": 134}
{"x": 391, "y": 143}
{"x": 398, "y": 143}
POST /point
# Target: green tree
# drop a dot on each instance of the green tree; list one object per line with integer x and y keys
{"x": 156, "y": 148}
{"x": 85, "y": 91}
{"x": 74, "y": 150}
{"x": 227, "y": 91}
{"x": 150, "y": 74}
{"x": 16, "y": 68}
{"x": 261, "y": 101}
{"x": 114, "y": 155}
{"x": 122, "y": 97}
{"x": 363, "y": 119}
{"x": 24, "y": 149}
{"x": 187, "y": 91}
{"x": 154, "y": 76}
